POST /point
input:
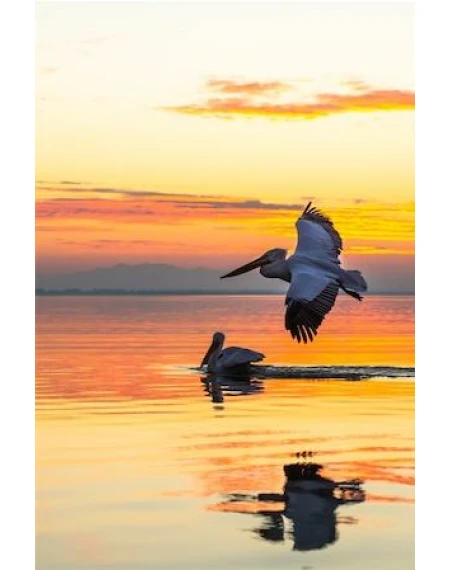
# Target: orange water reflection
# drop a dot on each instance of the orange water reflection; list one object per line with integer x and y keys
{"x": 130, "y": 447}
{"x": 95, "y": 348}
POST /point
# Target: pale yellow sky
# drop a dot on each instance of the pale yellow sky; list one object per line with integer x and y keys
{"x": 106, "y": 74}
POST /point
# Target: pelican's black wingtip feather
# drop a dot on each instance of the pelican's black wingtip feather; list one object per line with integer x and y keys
{"x": 305, "y": 211}
{"x": 303, "y": 319}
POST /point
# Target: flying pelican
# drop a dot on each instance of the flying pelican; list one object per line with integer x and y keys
{"x": 232, "y": 360}
{"x": 313, "y": 271}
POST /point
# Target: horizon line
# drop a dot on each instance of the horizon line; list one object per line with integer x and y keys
{"x": 75, "y": 291}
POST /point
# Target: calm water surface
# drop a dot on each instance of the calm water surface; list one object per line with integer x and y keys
{"x": 141, "y": 464}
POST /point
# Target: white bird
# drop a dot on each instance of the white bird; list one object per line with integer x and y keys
{"x": 232, "y": 360}
{"x": 313, "y": 271}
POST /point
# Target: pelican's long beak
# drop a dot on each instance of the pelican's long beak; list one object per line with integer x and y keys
{"x": 247, "y": 267}
{"x": 208, "y": 354}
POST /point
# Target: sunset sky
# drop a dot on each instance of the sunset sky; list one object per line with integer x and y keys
{"x": 193, "y": 134}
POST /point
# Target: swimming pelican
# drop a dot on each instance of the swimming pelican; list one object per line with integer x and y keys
{"x": 313, "y": 271}
{"x": 232, "y": 360}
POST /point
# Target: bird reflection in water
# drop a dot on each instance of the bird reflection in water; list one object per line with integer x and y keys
{"x": 306, "y": 510}
{"x": 220, "y": 387}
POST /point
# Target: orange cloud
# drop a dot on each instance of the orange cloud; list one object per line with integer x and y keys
{"x": 362, "y": 224}
{"x": 361, "y": 99}
{"x": 229, "y": 87}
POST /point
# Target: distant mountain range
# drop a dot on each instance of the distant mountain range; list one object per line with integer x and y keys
{"x": 157, "y": 277}
{"x": 163, "y": 278}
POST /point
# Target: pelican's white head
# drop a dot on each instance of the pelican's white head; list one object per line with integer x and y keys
{"x": 276, "y": 254}
{"x": 218, "y": 340}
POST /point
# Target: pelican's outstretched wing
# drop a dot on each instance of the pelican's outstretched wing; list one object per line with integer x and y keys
{"x": 236, "y": 356}
{"x": 316, "y": 233}
{"x": 309, "y": 299}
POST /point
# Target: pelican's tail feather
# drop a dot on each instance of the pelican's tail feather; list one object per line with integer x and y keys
{"x": 353, "y": 281}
